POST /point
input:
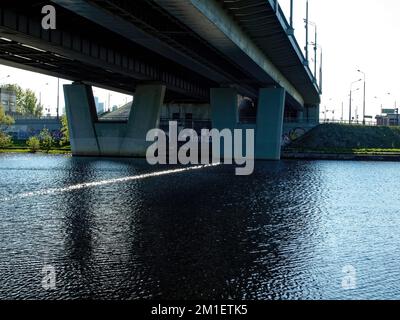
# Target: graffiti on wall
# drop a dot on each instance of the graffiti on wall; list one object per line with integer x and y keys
{"x": 292, "y": 135}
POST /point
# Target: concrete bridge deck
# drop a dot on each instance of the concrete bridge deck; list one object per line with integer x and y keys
{"x": 196, "y": 51}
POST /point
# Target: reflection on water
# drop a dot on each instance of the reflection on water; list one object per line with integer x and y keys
{"x": 286, "y": 232}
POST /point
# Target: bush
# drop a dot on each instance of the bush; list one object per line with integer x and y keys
{"x": 5, "y": 140}
{"x": 46, "y": 140}
{"x": 33, "y": 144}
{"x": 64, "y": 132}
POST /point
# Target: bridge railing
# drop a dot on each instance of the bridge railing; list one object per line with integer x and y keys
{"x": 286, "y": 16}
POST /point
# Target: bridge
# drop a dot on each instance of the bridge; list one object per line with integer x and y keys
{"x": 164, "y": 51}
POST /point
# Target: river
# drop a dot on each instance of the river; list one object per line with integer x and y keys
{"x": 112, "y": 230}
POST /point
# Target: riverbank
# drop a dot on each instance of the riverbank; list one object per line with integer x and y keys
{"x": 355, "y": 156}
{"x": 344, "y": 142}
{"x": 62, "y": 151}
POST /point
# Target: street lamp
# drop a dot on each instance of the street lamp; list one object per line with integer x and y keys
{"x": 351, "y": 92}
{"x": 316, "y": 45}
{"x": 58, "y": 98}
{"x": 364, "y": 101}
{"x": 306, "y": 21}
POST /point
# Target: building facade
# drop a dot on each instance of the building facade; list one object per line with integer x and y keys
{"x": 8, "y": 100}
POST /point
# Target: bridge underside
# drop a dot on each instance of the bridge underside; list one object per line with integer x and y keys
{"x": 176, "y": 44}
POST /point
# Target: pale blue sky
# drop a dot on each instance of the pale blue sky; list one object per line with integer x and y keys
{"x": 354, "y": 34}
{"x": 46, "y": 87}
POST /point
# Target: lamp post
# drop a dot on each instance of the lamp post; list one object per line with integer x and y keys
{"x": 291, "y": 15}
{"x": 316, "y": 46}
{"x": 58, "y": 98}
{"x": 364, "y": 100}
{"x": 306, "y": 21}
{"x": 351, "y": 91}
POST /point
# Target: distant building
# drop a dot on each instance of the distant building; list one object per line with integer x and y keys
{"x": 8, "y": 100}
{"x": 390, "y": 119}
{"x": 99, "y": 106}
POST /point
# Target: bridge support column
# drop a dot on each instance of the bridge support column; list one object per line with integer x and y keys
{"x": 224, "y": 113}
{"x": 270, "y": 112}
{"x": 144, "y": 116}
{"x": 300, "y": 116}
{"x": 92, "y": 138}
{"x": 312, "y": 113}
{"x": 81, "y": 112}
{"x": 224, "y": 108}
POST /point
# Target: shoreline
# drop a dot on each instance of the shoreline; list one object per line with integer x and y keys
{"x": 27, "y": 151}
{"x": 395, "y": 157}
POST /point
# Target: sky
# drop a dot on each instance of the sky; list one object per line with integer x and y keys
{"x": 354, "y": 34}
{"x": 45, "y": 88}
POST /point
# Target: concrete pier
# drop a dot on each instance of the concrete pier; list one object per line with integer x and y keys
{"x": 89, "y": 137}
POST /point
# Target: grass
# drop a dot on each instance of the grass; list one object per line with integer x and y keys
{"x": 21, "y": 147}
{"x": 359, "y": 151}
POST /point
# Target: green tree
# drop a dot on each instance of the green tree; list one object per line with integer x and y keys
{"x": 5, "y": 121}
{"x": 33, "y": 144}
{"x": 46, "y": 140}
{"x": 30, "y": 105}
{"x": 64, "y": 131}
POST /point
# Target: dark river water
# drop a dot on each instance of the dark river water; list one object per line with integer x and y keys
{"x": 292, "y": 230}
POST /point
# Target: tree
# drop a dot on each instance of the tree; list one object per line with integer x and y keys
{"x": 33, "y": 144}
{"x": 30, "y": 105}
{"x": 5, "y": 121}
{"x": 64, "y": 131}
{"x": 46, "y": 140}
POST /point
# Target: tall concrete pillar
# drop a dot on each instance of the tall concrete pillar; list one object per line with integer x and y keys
{"x": 270, "y": 112}
{"x": 224, "y": 115}
{"x": 312, "y": 113}
{"x": 81, "y": 113}
{"x": 144, "y": 116}
{"x": 300, "y": 116}
{"x": 224, "y": 108}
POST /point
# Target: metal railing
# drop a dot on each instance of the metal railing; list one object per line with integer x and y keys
{"x": 347, "y": 122}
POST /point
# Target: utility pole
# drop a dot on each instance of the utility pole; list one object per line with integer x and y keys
{"x": 364, "y": 101}
{"x": 291, "y": 14}
{"x": 350, "y": 109}
{"x": 315, "y": 54}
{"x": 342, "y": 118}
{"x": 58, "y": 98}
{"x": 306, "y": 47}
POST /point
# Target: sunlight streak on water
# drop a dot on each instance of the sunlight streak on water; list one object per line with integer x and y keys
{"x": 106, "y": 182}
